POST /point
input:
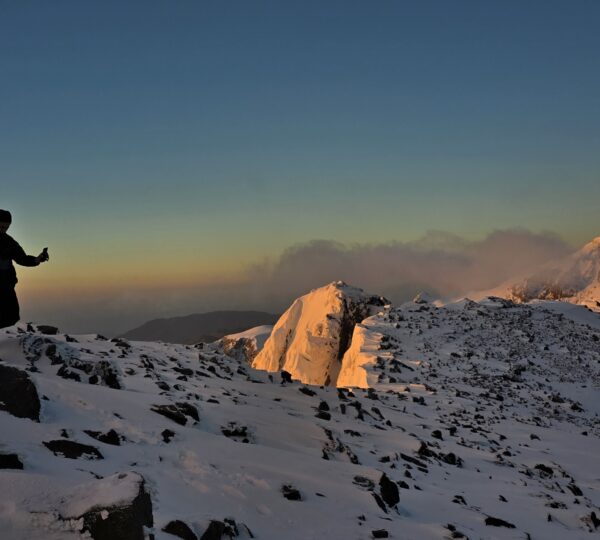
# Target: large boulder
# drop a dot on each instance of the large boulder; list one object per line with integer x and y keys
{"x": 113, "y": 508}
{"x": 18, "y": 394}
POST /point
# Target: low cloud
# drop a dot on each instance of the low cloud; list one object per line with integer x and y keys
{"x": 440, "y": 263}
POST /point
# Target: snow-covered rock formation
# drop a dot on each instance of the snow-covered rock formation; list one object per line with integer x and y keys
{"x": 246, "y": 345}
{"x": 310, "y": 339}
{"x": 574, "y": 279}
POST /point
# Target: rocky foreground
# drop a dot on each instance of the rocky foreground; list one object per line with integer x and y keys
{"x": 474, "y": 420}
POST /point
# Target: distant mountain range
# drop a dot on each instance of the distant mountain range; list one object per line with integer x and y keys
{"x": 206, "y": 327}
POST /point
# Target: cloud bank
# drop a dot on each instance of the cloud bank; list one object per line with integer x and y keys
{"x": 441, "y": 263}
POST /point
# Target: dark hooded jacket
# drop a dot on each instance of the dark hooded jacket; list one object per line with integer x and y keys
{"x": 10, "y": 251}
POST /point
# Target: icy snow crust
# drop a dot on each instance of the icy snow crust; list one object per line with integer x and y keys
{"x": 474, "y": 411}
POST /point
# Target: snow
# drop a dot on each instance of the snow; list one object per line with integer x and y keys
{"x": 459, "y": 405}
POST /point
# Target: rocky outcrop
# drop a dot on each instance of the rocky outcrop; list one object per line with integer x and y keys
{"x": 114, "y": 508}
{"x": 18, "y": 395}
{"x": 310, "y": 339}
{"x": 245, "y": 346}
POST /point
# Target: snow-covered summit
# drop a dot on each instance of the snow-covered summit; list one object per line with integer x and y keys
{"x": 575, "y": 279}
{"x": 310, "y": 339}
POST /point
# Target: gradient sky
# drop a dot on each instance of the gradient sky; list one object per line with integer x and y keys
{"x": 175, "y": 143}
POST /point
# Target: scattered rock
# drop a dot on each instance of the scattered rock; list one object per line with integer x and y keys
{"x": 291, "y": 493}
{"x": 380, "y": 533}
{"x": 497, "y": 522}
{"x": 236, "y": 432}
{"x": 545, "y": 471}
{"x": 10, "y": 461}
{"x": 167, "y": 435}
{"x": 389, "y": 491}
{"x": 72, "y": 449}
{"x": 364, "y": 482}
{"x": 47, "y": 329}
{"x": 217, "y": 529}
{"x": 177, "y": 412}
{"x": 180, "y": 529}
{"x": 110, "y": 437}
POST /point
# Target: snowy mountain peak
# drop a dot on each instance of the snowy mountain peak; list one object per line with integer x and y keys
{"x": 311, "y": 337}
{"x": 592, "y": 247}
{"x": 575, "y": 279}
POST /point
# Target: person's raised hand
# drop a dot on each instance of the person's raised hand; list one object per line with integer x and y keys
{"x": 43, "y": 256}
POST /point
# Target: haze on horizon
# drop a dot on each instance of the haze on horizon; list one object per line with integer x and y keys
{"x": 179, "y": 158}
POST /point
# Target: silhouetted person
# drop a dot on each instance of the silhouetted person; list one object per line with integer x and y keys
{"x": 11, "y": 251}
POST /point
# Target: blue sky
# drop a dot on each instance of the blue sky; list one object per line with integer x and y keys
{"x": 219, "y": 133}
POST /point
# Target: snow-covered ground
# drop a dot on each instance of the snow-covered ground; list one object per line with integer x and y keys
{"x": 476, "y": 420}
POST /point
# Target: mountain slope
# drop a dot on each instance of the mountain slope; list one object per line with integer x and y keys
{"x": 199, "y": 327}
{"x": 478, "y": 417}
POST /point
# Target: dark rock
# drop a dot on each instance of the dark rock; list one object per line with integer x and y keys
{"x": 575, "y": 490}
{"x": 544, "y": 470}
{"x": 437, "y": 434}
{"x": 451, "y": 459}
{"x": 389, "y": 491}
{"x": 177, "y": 412}
{"x": 364, "y": 482}
{"x": 307, "y": 391}
{"x": 217, "y": 529}
{"x": 47, "y": 329}
{"x": 167, "y": 435}
{"x": 425, "y": 451}
{"x": 286, "y": 377}
{"x": 497, "y": 522}
{"x": 179, "y": 529}
{"x": 66, "y": 373}
{"x": 184, "y": 371}
{"x": 110, "y": 437}
{"x": 10, "y": 461}
{"x": 379, "y": 502}
{"x": 189, "y": 410}
{"x": 380, "y": 533}
{"x": 291, "y": 493}
{"x": 72, "y": 449}
{"x": 594, "y": 519}
{"x": 235, "y": 431}
{"x": 171, "y": 412}
{"x": 323, "y": 415}
{"x": 18, "y": 395}
{"x": 123, "y": 522}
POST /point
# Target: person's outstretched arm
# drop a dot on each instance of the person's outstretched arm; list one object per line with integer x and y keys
{"x": 20, "y": 257}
